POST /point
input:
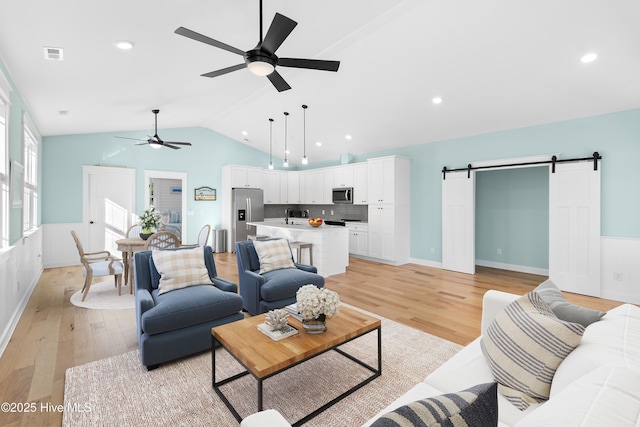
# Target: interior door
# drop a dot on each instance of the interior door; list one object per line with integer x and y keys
{"x": 574, "y": 228}
{"x": 458, "y": 222}
{"x": 109, "y": 206}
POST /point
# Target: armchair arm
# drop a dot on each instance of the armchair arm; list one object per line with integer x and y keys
{"x": 304, "y": 267}
{"x": 225, "y": 285}
{"x": 144, "y": 302}
{"x": 250, "y": 284}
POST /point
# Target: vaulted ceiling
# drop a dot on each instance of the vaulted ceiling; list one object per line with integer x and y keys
{"x": 496, "y": 64}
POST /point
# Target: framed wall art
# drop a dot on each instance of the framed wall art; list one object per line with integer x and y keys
{"x": 204, "y": 193}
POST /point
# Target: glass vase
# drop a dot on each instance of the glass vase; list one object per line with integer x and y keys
{"x": 314, "y": 326}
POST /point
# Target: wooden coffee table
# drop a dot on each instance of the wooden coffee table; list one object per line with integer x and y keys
{"x": 262, "y": 357}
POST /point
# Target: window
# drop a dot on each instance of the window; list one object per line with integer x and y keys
{"x": 4, "y": 162}
{"x": 30, "y": 200}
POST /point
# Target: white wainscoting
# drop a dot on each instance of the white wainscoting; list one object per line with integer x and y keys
{"x": 59, "y": 249}
{"x": 620, "y": 269}
{"x": 20, "y": 270}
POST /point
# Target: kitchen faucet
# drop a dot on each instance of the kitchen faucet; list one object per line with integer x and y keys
{"x": 286, "y": 215}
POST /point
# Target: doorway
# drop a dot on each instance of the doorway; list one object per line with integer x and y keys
{"x": 167, "y": 191}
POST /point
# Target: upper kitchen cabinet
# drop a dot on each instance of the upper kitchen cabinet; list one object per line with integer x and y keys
{"x": 360, "y": 184}
{"x": 293, "y": 187}
{"x": 272, "y": 181}
{"x": 244, "y": 177}
{"x": 312, "y": 185}
{"x": 342, "y": 176}
{"x": 389, "y": 180}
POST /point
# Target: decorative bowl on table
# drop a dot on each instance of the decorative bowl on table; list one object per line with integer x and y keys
{"x": 315, "y": 222}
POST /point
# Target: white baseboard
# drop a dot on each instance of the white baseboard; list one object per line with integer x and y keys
{"x": 513, "y": 267}
{"x": 426, "y": 262}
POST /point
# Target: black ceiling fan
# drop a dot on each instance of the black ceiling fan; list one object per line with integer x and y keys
{"x": 262, "y": 60}
{"x": 155, "y": 140}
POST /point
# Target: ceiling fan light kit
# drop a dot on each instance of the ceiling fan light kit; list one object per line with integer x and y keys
{"x": 262, "y": 60}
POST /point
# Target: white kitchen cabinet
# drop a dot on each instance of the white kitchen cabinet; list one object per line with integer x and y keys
{"x": 358, "y": 239}
{"x": 271, "y": 180}
{"x": 312, "y": 183}
{"x": 293, "y": 190}
{"x": 360, "y": 184}
{"x": 382, "y": 232}
{"x": 343, "y": 176}
{"x": 247, "y": 177}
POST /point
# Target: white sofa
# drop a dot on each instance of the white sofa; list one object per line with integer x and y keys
{"x": 598, "y": 384}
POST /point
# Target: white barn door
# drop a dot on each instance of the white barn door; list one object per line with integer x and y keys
{"x": 574, "y": 228}
{"x": 458, "y": 222}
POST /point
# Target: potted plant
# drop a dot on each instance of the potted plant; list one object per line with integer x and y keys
{"x": 149, "y": 220}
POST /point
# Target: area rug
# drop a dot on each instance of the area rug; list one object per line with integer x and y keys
{"x": 104, "y": 296}
{"x": 120, "y": 391}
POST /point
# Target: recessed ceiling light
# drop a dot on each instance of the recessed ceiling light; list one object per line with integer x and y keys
{"x": 589, "y": 57}
{"x": 124, "y": 44}
{"x": 287, "y": 151}
{"x": 437, "y": 100}
{"x": 319, "y": 144}
{"x": 245, "y": 133}
{"x": 63, "y": 112}
{"x": 348, "y": 137}
{"x": 53, "y": 53}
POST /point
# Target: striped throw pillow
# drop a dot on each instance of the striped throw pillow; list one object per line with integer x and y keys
{"x": 524, "y": 345}
{"x": 475, "y": 406}
{"x": 273, "y": 254}
{"x": 180, "y": 269}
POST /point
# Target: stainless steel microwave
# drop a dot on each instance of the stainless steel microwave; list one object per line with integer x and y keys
{"x": 342, "y": 195}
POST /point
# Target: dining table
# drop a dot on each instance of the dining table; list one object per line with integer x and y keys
{"x": 128, "y": 246}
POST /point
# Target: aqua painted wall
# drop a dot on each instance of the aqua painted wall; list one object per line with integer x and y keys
{"x": 64, "y": 156}
{"x": 512, "y": 215}
{"x": 615, "y": 136}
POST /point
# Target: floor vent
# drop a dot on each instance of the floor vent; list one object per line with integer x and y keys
{"x": 53, "y": 53}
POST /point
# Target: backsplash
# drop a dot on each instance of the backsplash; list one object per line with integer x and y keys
{"x": 360, "y": 212}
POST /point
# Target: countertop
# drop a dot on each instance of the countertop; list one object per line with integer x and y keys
{"x": 296, "y": 224}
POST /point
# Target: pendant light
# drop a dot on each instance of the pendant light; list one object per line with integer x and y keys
{"x": 304, "y": 135}
{"x": 270, "y": 142}
{"x": 286, "y": 162}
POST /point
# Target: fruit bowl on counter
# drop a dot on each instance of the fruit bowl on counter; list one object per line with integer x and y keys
{"x": 315, "y": 222}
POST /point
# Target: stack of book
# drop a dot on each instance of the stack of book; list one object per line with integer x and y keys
{"x": 277, "y": 334}
{"x": 292, "y": 310}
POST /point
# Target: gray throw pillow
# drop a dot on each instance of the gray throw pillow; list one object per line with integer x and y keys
{"x": 550, "y": 294}
{"x": 474, "y": 407}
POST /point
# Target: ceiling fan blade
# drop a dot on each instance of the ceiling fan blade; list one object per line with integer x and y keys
{"x": 279, "y": 83}
{"x": 208, "y": 40}
{"x": 142, "y": 143}
{"x": 313, "y": 64}
{"x": 177, "y": 143}
{"x": 225, "y": 70}
{"x": 280, "y": 28}
{"x": 170, "y": 146}
{"x": 135, "y": 139}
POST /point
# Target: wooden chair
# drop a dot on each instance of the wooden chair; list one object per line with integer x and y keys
{"x": 97, "y": 264}
{"x": 162, "y": 240}
{"x": 134, "y": 230}
{"x": 203, "y": 236}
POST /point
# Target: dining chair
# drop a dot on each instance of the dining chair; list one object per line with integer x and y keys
{"x": 203, "y": 236}
{"x": 162, "y": 240}
{"x": 95, "y": 264}
{"x": 134, "y": 230}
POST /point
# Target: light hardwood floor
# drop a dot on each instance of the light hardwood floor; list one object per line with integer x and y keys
{"x": 53, "y": 335}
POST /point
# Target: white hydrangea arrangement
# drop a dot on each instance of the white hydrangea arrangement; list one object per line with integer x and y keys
{"x": 317, "y": 303}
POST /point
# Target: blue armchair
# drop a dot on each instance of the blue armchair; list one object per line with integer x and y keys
{"x": 178, "y": 323}
{"x": 275, "y": 289}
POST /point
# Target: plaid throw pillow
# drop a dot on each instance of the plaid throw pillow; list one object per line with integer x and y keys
{"x": 273, "y": 254}
{"x": 180, "y": 269}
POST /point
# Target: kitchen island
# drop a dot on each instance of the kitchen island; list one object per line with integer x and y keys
{"x": 330, "y": 242}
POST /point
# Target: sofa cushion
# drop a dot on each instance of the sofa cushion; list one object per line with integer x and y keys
{"x": 474, "y": 406}
{"x": 607, "y": 396}
{"x": 180, "y": 269}
{"x": 524, "y": 345}
{"x": 273, "y": 255}
{"x": 189, "y": 306}
{"x": 613, "y": 340}
{"x": 285, "y": 283}
{"x": 550, "y": 294}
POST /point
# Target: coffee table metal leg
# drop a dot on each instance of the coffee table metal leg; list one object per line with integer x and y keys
{"x": 259, "y": 395}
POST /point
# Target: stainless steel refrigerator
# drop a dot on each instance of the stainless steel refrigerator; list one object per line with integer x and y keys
{"x": 247, "y": 205}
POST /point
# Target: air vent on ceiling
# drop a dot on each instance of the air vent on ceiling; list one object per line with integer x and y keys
{"x": 53, "y": 53}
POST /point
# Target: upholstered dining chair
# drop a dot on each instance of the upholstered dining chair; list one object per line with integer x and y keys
{"x": 134, "y": 230}
{"x": 162, "y": 240}
{"x": 95, "y": 264}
